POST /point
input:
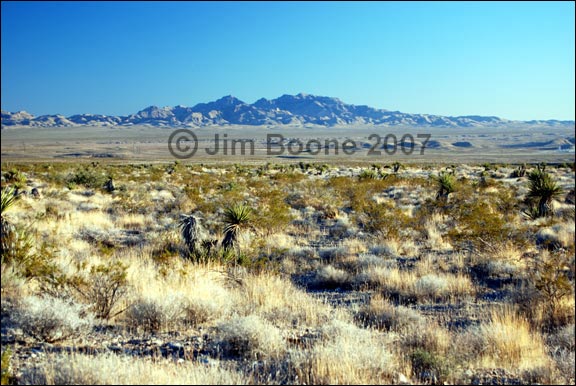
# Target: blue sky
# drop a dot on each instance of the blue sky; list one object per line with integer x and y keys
{"x": 510, "y": 59}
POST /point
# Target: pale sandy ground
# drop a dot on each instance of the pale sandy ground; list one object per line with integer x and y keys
{"x": 143, "y": 143}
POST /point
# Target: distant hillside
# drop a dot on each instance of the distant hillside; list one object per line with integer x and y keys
{"x": 301, "y": 109}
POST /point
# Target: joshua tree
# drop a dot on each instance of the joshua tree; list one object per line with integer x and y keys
{"x": 446, "y": 185}
{"x": 7, "y": 231}
{"x": 544, "y": 189}
{"x": 236, "y": 218}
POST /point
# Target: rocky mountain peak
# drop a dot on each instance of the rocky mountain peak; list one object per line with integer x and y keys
{"x": 300, "y": 109}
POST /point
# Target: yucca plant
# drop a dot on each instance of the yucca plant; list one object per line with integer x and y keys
{"x": 7, "y": 230}
{"x": 446, "y": 183}
{"x": 192, "y": 233}
{"x": 369, "y": 174}
{"x": 236, "y": 218}
{"x": 543, "y": 188}
{"x": 519, "y": 172}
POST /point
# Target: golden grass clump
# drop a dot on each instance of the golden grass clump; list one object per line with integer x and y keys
{"x": 112, "y": 369}
{"x": 508, "y": 341}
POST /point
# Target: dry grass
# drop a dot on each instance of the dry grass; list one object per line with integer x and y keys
{"x": 412, "y": 287}
{"x": 249, "y": 337}
{"x": 346, "y": 355}
{"x": 508, "y": 341}
{"x": 282, "y": 303}
{"x": 338, "y": 281}
{"x": 117, "y": 370}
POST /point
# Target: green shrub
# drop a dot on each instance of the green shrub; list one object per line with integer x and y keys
{"x": 6, "y": 378}
{"x": 429, "y": 367}
{"x": 478, "y": 224}
{"x": 88, "y": 178}
{"x": 274, "y": 212}
{"x": 28, "y": 260}
{"x": 550, "y": 275}
{"x": 382, "y": 219}
{"x": 105, "y": 287}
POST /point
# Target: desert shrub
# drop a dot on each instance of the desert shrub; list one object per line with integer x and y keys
{"x": 382, "y": 314}
{"x": 167, "y": 247}
{"x": 249, "y": 337}
{"x": 289, "y": 178}
{"x": 273, "y": 212}
{"x": 28, "y": 260}
{"x": 16, "y": 178}
{"x": 6, "y": 376}
{"x": 481, "y": 226}
{"x": 50, "y": 319}
{"x": 357, "y": 194}
{"x": 430, "y": 337}
{"x": 505, "y": 202}
{"x": 558, "y": 236}
{"x": 209, "y": 300}
{"x": 383, "y": 220}
{"x": 441, "y": 287}
{"x": 89, "y": 178}
{"x": 200, "y": 311}
{"x": 104, "y": 288}
{"x": 562, "y": 345}
{"x": 332, "y": 254}
{"x": 346, "y": 355}
{"x": 429, "y": 367}
{"x": 156, "y": 314}
{"x": 398, "y": 285}
{"x": 259, "y": 259}
{"x": 549, "y": 274}
{"x": 328, "y": 277}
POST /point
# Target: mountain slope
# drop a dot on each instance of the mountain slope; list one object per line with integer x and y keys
{"x": 301, "y": 109}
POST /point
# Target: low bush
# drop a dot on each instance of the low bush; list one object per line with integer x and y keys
{"x": 52, "y": 319}
{"x": 249, "y": 337}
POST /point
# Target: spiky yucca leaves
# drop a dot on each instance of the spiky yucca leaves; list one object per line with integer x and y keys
{"x": 7, "y": 230}
{"x": 519, "y": 172}
{"x": 236, "y": 218}
{"x": 369, "y": 174}
{"x": 446, "y": 183}
{"x": 543, "y": 188}
{"x": 192, "y": 233}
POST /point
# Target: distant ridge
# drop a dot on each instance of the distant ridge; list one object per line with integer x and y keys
{"x": 301, "y": 109}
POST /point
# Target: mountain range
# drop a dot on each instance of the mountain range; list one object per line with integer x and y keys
{"x": 301, "y": 109}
